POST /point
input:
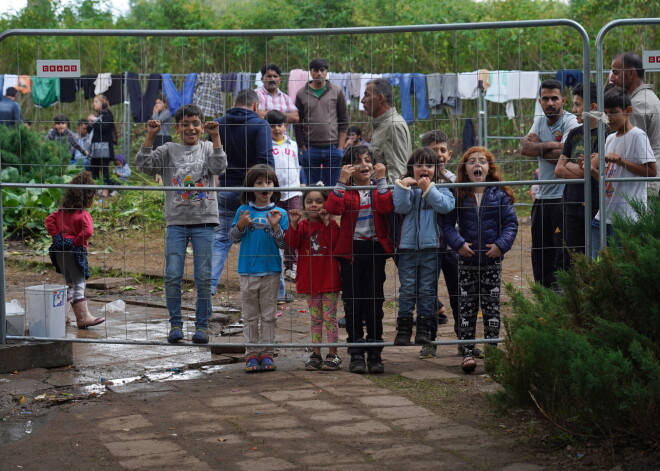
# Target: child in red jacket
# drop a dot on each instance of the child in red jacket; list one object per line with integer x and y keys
{"x": 318, "y": 272}
{"x": 363, "y": 248}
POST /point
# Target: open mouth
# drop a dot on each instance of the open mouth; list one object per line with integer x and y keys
{"x": 478, "y": 173}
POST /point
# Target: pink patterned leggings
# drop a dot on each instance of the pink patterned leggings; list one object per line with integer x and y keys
{"x": 323, "y": 310}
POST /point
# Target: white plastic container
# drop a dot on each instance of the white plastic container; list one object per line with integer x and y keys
{"x": 15, "y": 318}
{"x": 46, "y": 310}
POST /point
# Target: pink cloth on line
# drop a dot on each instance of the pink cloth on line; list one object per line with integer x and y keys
{"x": 298, "y": 78}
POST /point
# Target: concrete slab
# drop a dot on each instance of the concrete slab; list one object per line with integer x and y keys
{"x": 342, "y": 415}
{"x": 368, "y": 427}
{"x": 385, "y": 401}
{"x": 142, "y": 447}
{"x": 435, "y": 373}
{"x": 270, "y": 463}
{"x": 312, "y": 405}
{"x": 126, "y": 422}
{"x": 21, "y": 356}
{"x": 400, "y": 412}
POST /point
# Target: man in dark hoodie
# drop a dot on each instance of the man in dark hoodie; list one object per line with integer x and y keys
{"x": 247, "y": 142}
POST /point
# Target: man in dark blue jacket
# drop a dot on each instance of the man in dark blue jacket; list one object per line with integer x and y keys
{"x": 247, "y": 142}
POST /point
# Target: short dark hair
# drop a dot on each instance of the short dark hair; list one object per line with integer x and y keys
{"x": 384, "y": 87}
{"x": 355, "y": 129}
{"x": 352, "y": 153}
{"x": 253, "y": 173}
{"x": 275, "y": 117}
{"x": 189, "y": 111}
{"x": 318, "y": 64}
{"x": 11, "y": 91}
{"x": 616, "y": 98}
{"x": 60, "y": 118}
{"x": 314, "y": 187}
{"x": 578, "y": 90}
{"x": 82, "y": 121}
{"x": 434, "y": 137}
{"x": 268, "y": 67}
{"x": 632, "y": 61}
{"x": 162, "y": 98}
{"x": 551, "y": 84}
{"x": 246, "y": 97}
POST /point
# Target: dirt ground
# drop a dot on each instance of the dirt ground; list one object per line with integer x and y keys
{"x": 437, "y": 385}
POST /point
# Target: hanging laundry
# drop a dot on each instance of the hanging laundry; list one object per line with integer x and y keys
{"x": 228, "y": 82}
{"x": 523, "y": 85}
{"x": 413, "y": 84}
{"x": 177, "y": 98}
{"x": 468, "y": 85}
{"x": 68, "y": 89}
{"x": 142, "y": 105}
{"x": 434, "y": 86}
{"x": 24, "y": 84}
{"x": 497, "y": 92}
{"x": 208, "y": 94}
{"x": 243, "y": 81}
{"x": 298, "y": 78}
{"x": 87, "y": 85}
{"x": 11, "y": 80}
{"x": 115, "y": 94}
{"x": 354, "y": 85}
{"x": 569, "y": 78}
{"x": 258, "y": 83}
{"x": 450, "y": 95}
{"x": 343, "y": 81}
{"x": 102, "y": 83}
{"x": 469, "y": 136}
{"x": 45, "y": 91}
{"x": 483, "y": 78}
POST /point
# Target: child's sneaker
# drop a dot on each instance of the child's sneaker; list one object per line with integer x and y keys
{"x": 252, "y": 365}
{"x": 331, "y": 363}
{"x": 267, "y": 363}
{"x": 428, "y": 351}
{"x": 200, "y": 336}
{"x": 175, "y": 335}
{"x": 314, "y": 362}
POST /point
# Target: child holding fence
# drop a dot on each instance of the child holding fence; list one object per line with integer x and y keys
{"x": 191, "y": 213}
{"x": 487, "y": 228}
{"x": 259, "y": 226}
{"x": 71, "y": 227}
{"x": 420, "y": 201}
{"x": 363, "y": 248}
{"x": 315, "y": 238}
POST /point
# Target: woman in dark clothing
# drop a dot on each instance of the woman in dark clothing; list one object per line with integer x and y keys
{"x": 102, "y": 127}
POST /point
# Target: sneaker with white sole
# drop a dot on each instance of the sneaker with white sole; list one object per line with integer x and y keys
{"x": 428, "y": 351}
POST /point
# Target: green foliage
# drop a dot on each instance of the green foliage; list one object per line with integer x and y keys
{"x": 589, "y": 359}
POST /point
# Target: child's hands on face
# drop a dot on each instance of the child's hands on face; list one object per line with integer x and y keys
{"x": 212, "y": 128}
{"x": 153, "y": 126}
{"x": 493, "y": 251}
{"x": 408, "y": 181}
{"x": 244, "y": 220}
{"x": 380, "y": 170}
{"x": 466, "y": 251}
{"x": 274, "y": 217}
{"x": 294, "y": 217}
{"x": 347, "y": 172}
{"x": 424, "y": 183}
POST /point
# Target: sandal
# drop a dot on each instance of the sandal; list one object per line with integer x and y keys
{"x": 469, "y": 364}
{"x": 314, "y": 362}
{"x": 331, "y": 363}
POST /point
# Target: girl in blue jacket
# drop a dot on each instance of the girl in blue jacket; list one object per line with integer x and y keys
{"x": 420, "y": 201}
{"x": 487, "y": 228}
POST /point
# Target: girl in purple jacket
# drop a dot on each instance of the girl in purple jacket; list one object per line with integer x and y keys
{"x": 481, "y": 229}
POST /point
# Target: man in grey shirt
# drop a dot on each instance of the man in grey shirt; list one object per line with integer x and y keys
{"x": 628, "y": 73}
{"x": 545, "y": 140}
{"x": 10, "y": 111}
{"x": 390, "y": 136}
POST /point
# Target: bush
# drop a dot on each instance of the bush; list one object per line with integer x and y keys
{"x": 588, "y": 359}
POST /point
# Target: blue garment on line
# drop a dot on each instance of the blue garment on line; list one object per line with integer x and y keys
{"x": 177, "y": 98}
{"x": 569, "y": 77}
{"x": 413, "y": 84}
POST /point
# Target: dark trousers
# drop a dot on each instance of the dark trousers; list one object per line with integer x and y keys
{"x": 449, "y": 267}
{"x": 546, "y": 239}
{"x": 362, "y": 283}
{"x": 573, "y": 233}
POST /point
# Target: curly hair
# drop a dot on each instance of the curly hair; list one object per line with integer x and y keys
{"x": 76, "y": 199}
{"x": 493, "y": 175}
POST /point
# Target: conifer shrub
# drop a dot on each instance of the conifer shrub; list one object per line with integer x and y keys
{"x": 588, "y": 359}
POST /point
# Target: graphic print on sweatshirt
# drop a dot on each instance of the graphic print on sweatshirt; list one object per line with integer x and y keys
{"x": 190, "y": 172}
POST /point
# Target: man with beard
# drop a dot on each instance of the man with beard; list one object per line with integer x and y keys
{"x": 390, "y": 137}
{"x": 272, "y": 98}
{"x": 545, "y": 140}
{"x": 628, "y": 73}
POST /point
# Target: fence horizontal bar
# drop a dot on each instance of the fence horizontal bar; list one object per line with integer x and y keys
{"x": 250, "y": 345}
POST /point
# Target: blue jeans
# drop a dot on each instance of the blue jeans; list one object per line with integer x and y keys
{"x": 413, "y": 83}
{"x": 321, "y": 164}
{"x": 176, "y": 241}
{"x": 595, "y": 236}
{"x": 228, "y": 203}
{"x": 418, "y": 277}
